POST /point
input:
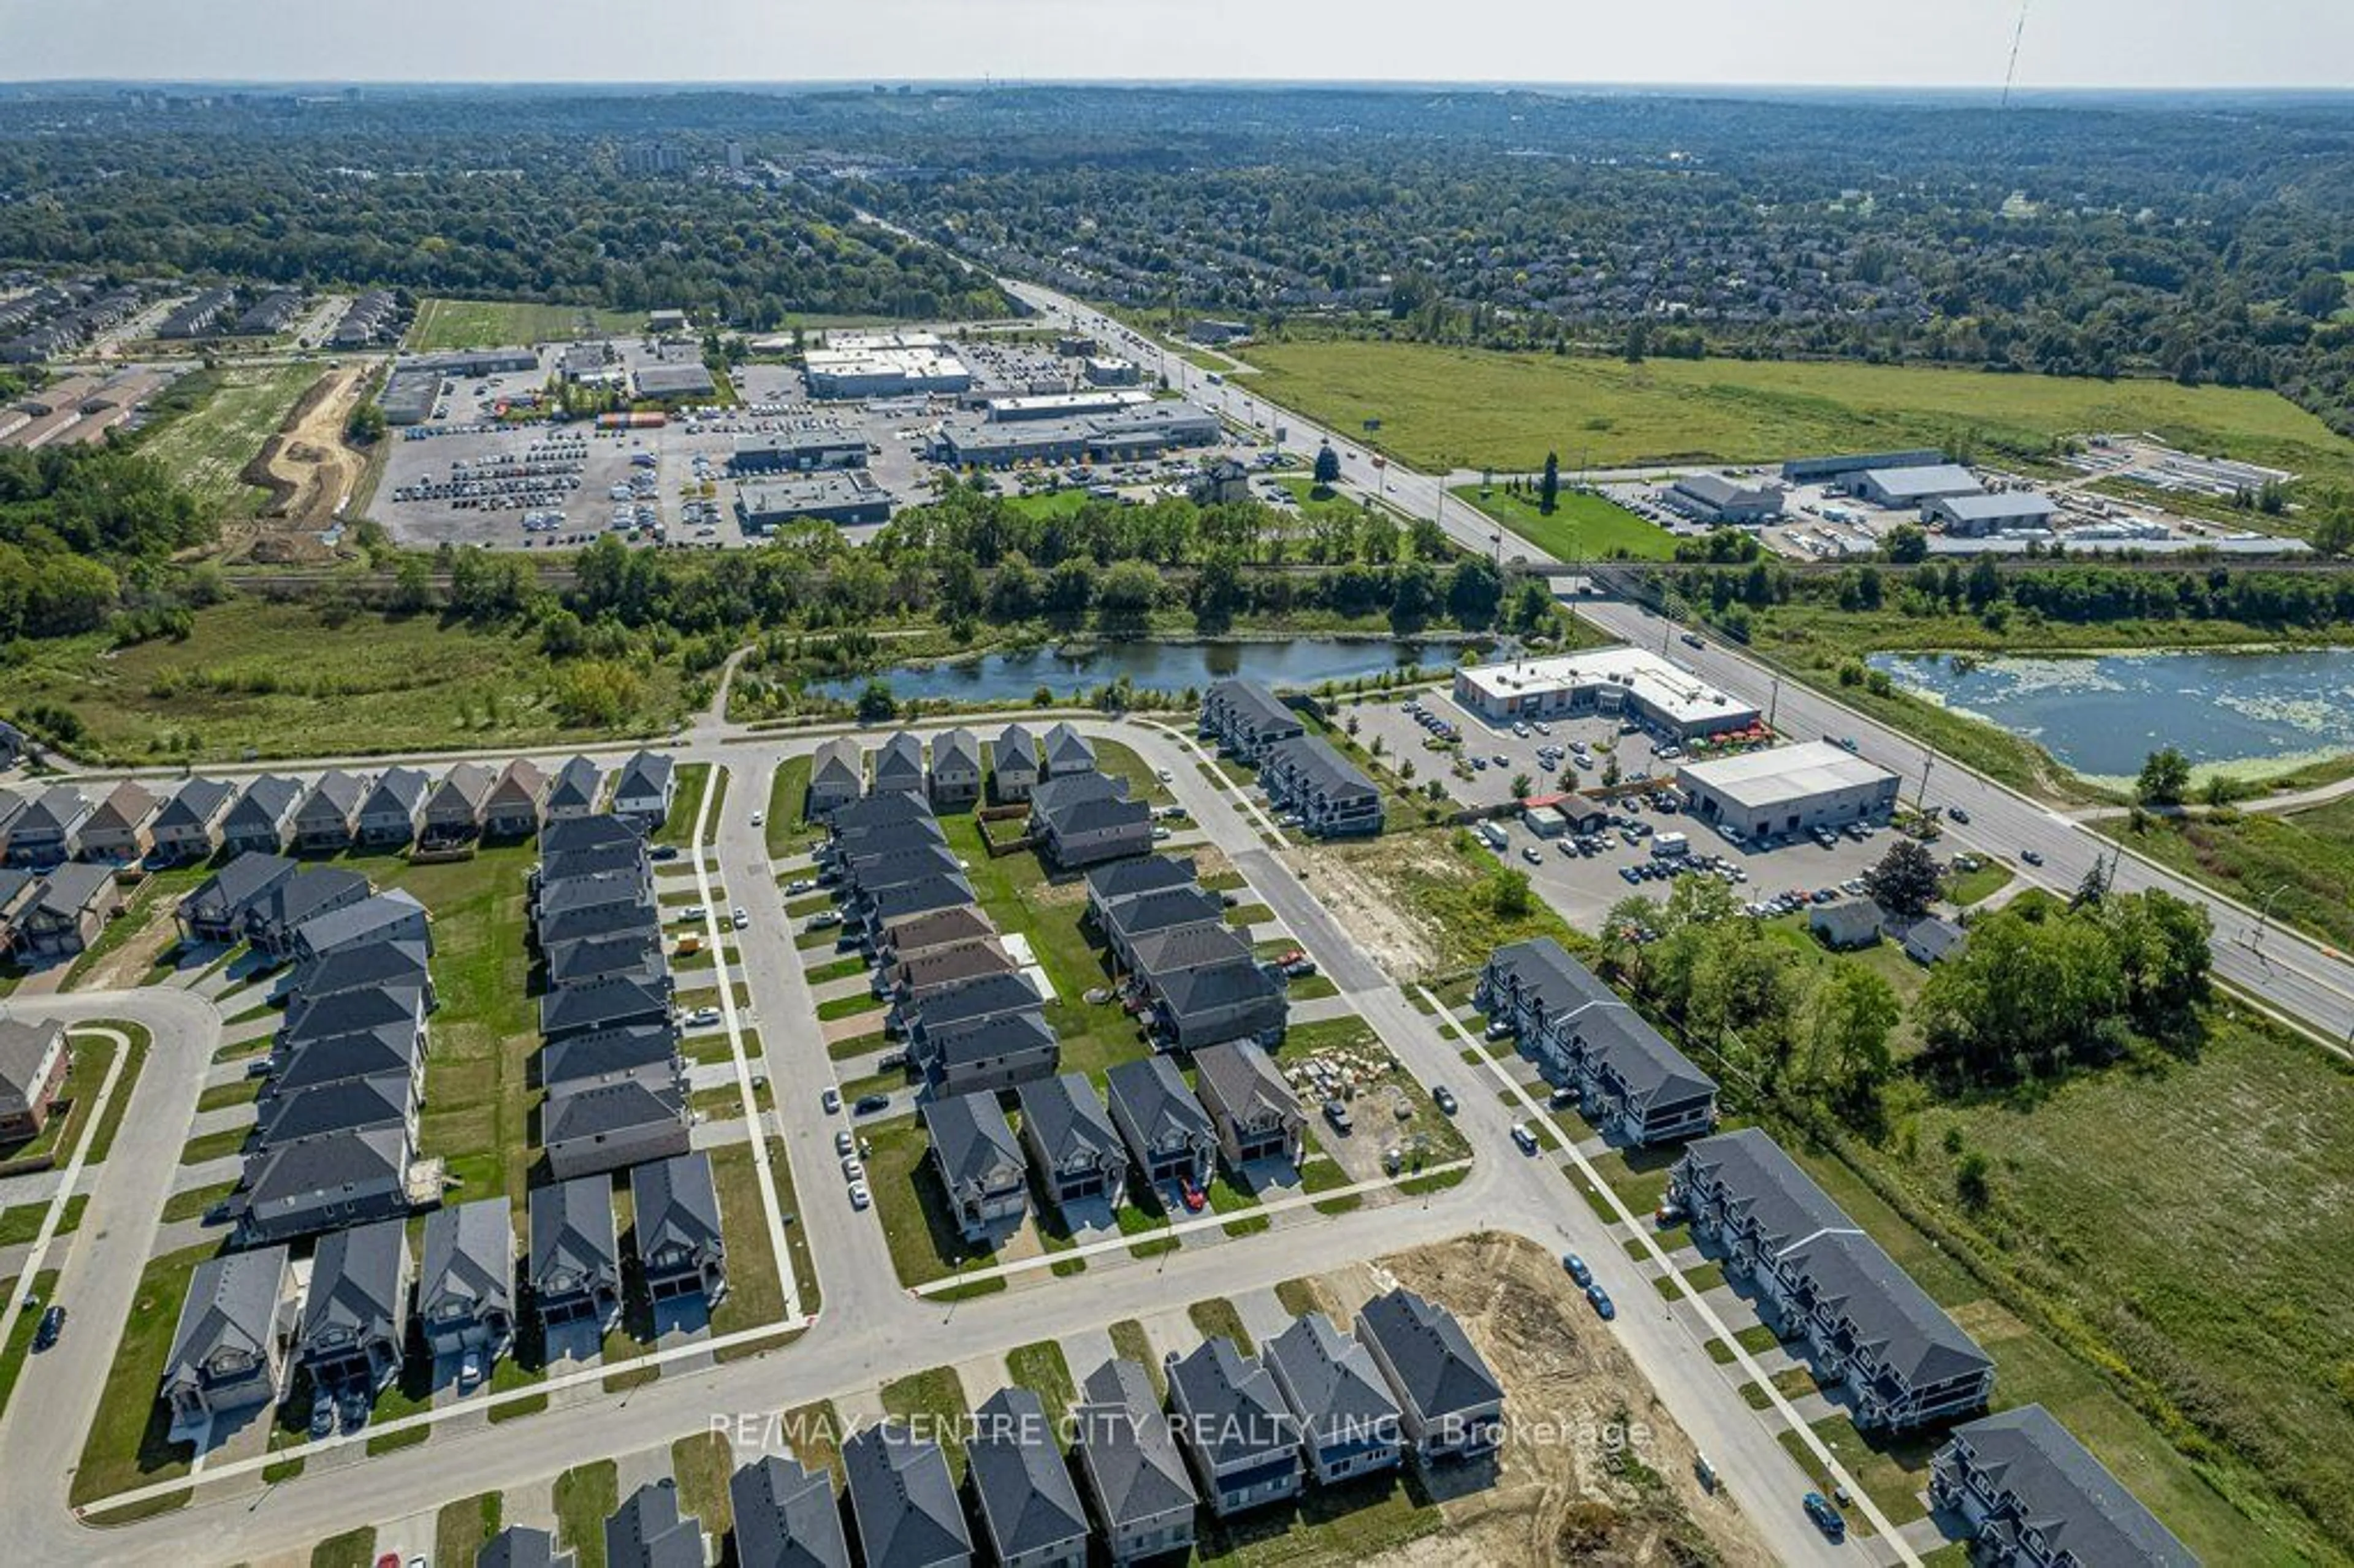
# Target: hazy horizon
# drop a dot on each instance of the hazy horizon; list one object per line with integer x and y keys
{"x": 2067, "y": 45}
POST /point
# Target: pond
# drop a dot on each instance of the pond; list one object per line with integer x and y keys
{"x": 1012, "y": 677}
{"x": 2244, "y": 713}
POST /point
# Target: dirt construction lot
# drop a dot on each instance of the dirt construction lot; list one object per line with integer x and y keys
{"x": 1594, "y": 1470}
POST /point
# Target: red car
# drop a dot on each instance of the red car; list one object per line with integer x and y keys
{"x": 1292, "y": 957}
{"x": 1192, "y": 1196}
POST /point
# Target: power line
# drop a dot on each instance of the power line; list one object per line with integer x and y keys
{"x": 2017, "y": 34}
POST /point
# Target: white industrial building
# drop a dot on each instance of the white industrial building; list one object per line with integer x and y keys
{"x": 1976, "y": 517}
{"x": 1911, "y": 487}
{"x": 1605, "y": 682}
{"x": 884, "y": 364}
{"x": 1788, "y": 789}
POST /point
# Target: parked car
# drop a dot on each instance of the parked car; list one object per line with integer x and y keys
{"x": 868, "y": 1105}
{"x": 759, "y": 818}
{"x": 1574, "y": 1266}
{"x": 1526, "y": 1139}
{"x": 1828, "y": 1519}
{"x": 53, "y": 1323}
{"x": 859, "y": 1196}
{"x": 831, "y": 1099}
{"x": 1604, "y": 1307}
{"x": 691, "y": 913}
{"x": 1193, "y": 1197}
{"x": 823, "y": 920}
{"x": 2032, "y": 857}
{"x": 470, "y": 1370}
{"x": 845, "y": 1144}
{"x": 1338, "y": 1115}
{"x": 1530, "y": 853}
{"x": 1669, "y": 1214}
{"x": 852, "y": 1170}
{"x": 1444, "y": 1098}
{"x": 703, "y": 1017}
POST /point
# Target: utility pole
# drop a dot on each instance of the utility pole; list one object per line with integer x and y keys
{"x": 1773, "y": 702}
{"x": 1928, "y": 761}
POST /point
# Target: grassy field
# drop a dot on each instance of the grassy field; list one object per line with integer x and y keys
{"x": 463, "y": 1527}
{"x": 1446, "y": 408}
{"x": 1042, "y": 1369}
{"x": 2300, "y": 865}
{"x": 290, "y": 680}
{"x": 500, "y": 323}
{"x": 207, "y": 447}
{"x": 1217, "y": 1316}
{"x": 1582, "y": 527}
{"x": 700, "y": 1465}
{"x": 932, "y": 1403}
{"x": 126, "y": 1446}
{"x": 685, "y": 805}
{"x": 787, "y": 831}
{"x": 586, "y": 1496}
{"x": 1431, "y": 883}
{"x": 352, "y": 1549}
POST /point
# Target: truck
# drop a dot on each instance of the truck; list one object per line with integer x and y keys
{"x": 1497, "y": 838}
{"x": 1665, "y": 846}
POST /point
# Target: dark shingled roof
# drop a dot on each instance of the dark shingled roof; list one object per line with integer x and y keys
{"x": 1027, "y": 1499}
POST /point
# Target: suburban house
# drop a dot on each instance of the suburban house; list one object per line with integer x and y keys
{"x": 1028, "y": 1505}
{"x": 361, "y": 967}
{"x": 905, "y": 940}
{"x": 521, "y": 1546}
{"x": 593, "y": 1128}
{"x": 1000, "y": 1053}
{"x": 979, "y": 1164}
{"x": 645, "y": 789}
{"x": 272, "y": 921}
{"x": 324, "y": 1183}
{"x": 864, "y": 873}
{"x": 48, "y": 830}
{"x": 1332, "y": 795}
{"x": 630, "y": 955}
{"x": 1245, "y": 718}
{"x": 903, "y": 1500}
{"x": 122, "y": 829}
{"x": 837, "y": 776}
{"x": 311, "y": 1019}
{"x": 394, "y": 918}
{"x": 1232, "y": 1423}
{"x": 347, "y": 1105}
{"x": 329, "y": 816}
{"x": 1071, "y": 1139}
{"x": 573, "y": 1262}
{"x": 17, "y": 887}
{"x": 1084, "y": 819}
{"x": 681, "y": 1250}
{"x": 956, "y": 769}
{"x": 189, "y": 826}
{"x": 576, "y": 835}
{"x": 899, "y": 765}
{"x": 1142, "y": 1494}
{"x": 1902, "y": 1360}
{"x": 1633, "y": 1085}
{"x": 1065, "y": 751}
{"x": 394, "y": 810}
{"x": 601, "y": 1003}
{"x": 573, "y": 791}
{"x": 387, "y": 1049}
{"x": 69, "y": 908}
{"x": 908, "y": 981}
{"x": 216, "y": 910}
{"x": 1205, "y": 989}
{"x": 515, "y": 804}
{"x": 33, "y": 1061}
{"x": 355, "y": 1310}
{"x": 2030, "y": 1495}
{"x": 1124, "y": 920}
{"x": 11, "y": 807}
{"x": 1256, "y": 1113}
{"x": 1932, "y": 939}
{"x": 236, "y": 1325}
{"x": 786, "y": 1517}
{"x": 882, "y": 814}
{"x": 1013, "y": 764}
{"x": 1111, "y": 884}
{"x": 262, "y": 820}
{"x": 1846, "y": 923}
{"x": 453, "y": 812}
{"x": 973, "y": 1002}
{"x": 645, "y": 1050}
{"x": 1165, "y": 1128}
{"x": 1450, "y": 1403}
{"x": 466, "y": 1293}
{"x": 648, "y": 1532}
{"x": 1348, "y": 1422}
{"x": 921, "y": 897}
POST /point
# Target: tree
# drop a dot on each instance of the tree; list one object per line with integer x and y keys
{"x": 1906, "y": 544}
{"x": 1474, "y": 589}
{"x": 1124, "y": 598}
{"x": 875, "y": 704}
{"x": 1327, "y": 467}
{"x": 2165, "y": 779}
{"x": 1904, "y": 883}
{"x": 366, "y": 426}
{"x": 1521, "y": 785}
{"x": 1549, "y": 487}
{"x": 1848, "y": 1022}
{"x": 1507, "y": 893}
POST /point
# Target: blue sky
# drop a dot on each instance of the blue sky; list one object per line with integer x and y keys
{"x": 1938, "y": 43}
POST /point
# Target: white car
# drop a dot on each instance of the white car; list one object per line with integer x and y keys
{"x": 738, "y": 918}
{"x": 691, "y": 913}
{"x": 1164, "y": 775}
{"x": 758, "y": 817}
{"x": 852, "y": 1170}
{"x": 703, "y": 1017}
{"x": 859, "y": 1196}
{"x": 830, "y": 1100}
{"x": 845, "y": 1144}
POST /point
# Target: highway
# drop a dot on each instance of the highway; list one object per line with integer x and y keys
{"x": 2298, "y": 980}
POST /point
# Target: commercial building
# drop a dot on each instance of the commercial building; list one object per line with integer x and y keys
{"x": 1788, "y": 789}
{"x": 674, "y": 381}
{"x": 1603, "y": 683}
{"x": 799, "y": 445}
{"x": 1020, "y": 407}
{"x": 1914, "y": 487}
{"x": 884, "y": 364}
{"x": 1713, "y": 498}
{"x": 1840, "y": 469}
{"x": 2028, "y": 1494}
{"x": 832, "y": 496}
{"x": 1901, "y": 1361}
{"x": 2004, "y": 512}
{"x": 1123, "y": 435}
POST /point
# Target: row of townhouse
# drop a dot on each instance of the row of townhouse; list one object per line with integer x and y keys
{"x": 1300, "y": 772}
{"x": 336, "y": 810}
{"x": 841, "y": 771}
{"x": 1630, "y": 1083}
{"x": 1902, "y": 1362}
{"x": 1087, "y": 818}
{"x": 1196, "y": 978}
{"x": 56, "y": 914}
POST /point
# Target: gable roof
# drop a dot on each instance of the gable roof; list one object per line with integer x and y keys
{"x": 1546, "y": 972}
{"x": 1066, "y": 748}
{"x": 588, "y": 1110}
{"x": 351, "y": 1011}
{"x": 898, "y": 759}
{"x": 1109, "y": 885}
{"x": 346, "y": 1104}
{"x": 1437, "y": 1366}
{"x": 1236, "y": 1411}
{"x": 358, "y": 921}
{"x": 786, "y": 1516}
{"x": 1154, "y": 1095}
{"x": 241, "y": 881}
{"x": 291, "y": 1176}
{"x": 881, "y": 811}
{"x": 969, "y": 1139}
{"x": 1205, "y": 989}
{"x": 358, "y": 1281}
{"x": 73, "y": 887}
{"x": 1245, "y": 1081}
{"x": 1331, "y": 1383}
{"x": 2066, "y": 1495}
{"x": 1163, "y": 909}
{"x": 920, "y": 897}
{"x": 337, "y": 795}
{"x": 521, "y": 783}
{"x": 267, "y": 802}
{"x": 232, "y": 1304}
{"x": 130, "y": 804}
{"x": 1324, "y": 769}
{"x": 575, "y": 786}
{"x": 837, "y": 764}
{"x": 602, "y": 1052}
{"x": 645, "y": 773}
{"x": 1651, "y": 1070}
{"x": 572, "y": 1231}
{"x": 595, "y": 1003}
{"x": 55, "y": 811}
{"x": 676, "y": 1203}
{"x": 469, "y": 1256}
{"x": 575, "y": 835}
{"x": 938, "y": 927}
{"x": 648, "y": 1532}
{"x": 1161, "y": 955}
{"x": 399, "y": 792}
{"x": 902, "y": 1499}
{"x": 520, "y": 1546}
{"x": 387, "y": 1048}
{"x": 1123, "y": 1439}
{"x": 958, "y": 748}
{"x": 310, "y": 891}
{"x": 363, "y": 967}
{"x": 992, "y": 1039}
{"x": 198, "y": 803}
{"x": 24, "y": 1048}
{"x": 463, "y": 790}
{"x": 984, "y": 998}
{"x": 1017, "y": 746}
{"x": 1026, "y": 1496}
{"x": 1253, "y": 702}
{"x": 1066, "y": 1120}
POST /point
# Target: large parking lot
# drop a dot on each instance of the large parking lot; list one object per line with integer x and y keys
{"x": 1494, "y": 756}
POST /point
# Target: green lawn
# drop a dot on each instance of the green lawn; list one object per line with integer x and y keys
{"x": 586, "y": 1496}
{"x": 1454, "y": 408}
{"x": 353, "y": 1549}
{"x": 126, "y": 1446}
{"x": 1967, "y": 887}
{"x": 1582, "y": 527}
{"x": 1130, "y": 1343}
{"x": 21, "y": 1222}
{"x": 1042, "y": 1369}
{"x": 20, "y": 1337}
{"x": 755, "y": 1294}
{"x": 2301, "y": 864}
{"x": 787, "y": 831}
{"x": 1325, "y": 1527}
{"x": 678, "y": 828}
{"x": 207, "y": 447}
{"x": 932, "y": 1403}
{"x": 444, "y": 324}
{"x": 1217, "y": 1316}
{"x": 910, "y": 1203}
{"x": 463, "y": 1527}
{"x": 260, "y": 678}
{"x": 700, "y": 1465}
